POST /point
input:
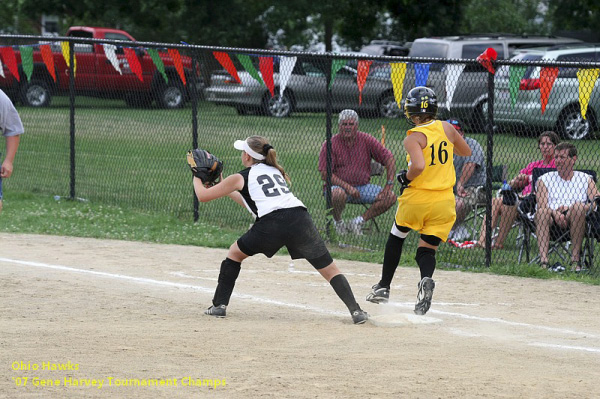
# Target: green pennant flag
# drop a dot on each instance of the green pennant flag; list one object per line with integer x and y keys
{"x": 515, "y": 74}
{"x": 27, "y": 60}
{"x": 336, "y": 65}
{"x": 249, "y": 67}
{"x": 158, "y": 63}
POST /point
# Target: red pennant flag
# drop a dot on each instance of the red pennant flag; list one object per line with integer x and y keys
{"x": 48, "y": 59}
{"x": 486, "y": 58}
{"x": 226, "y": 63}
{"x": 178, "y": 64}
{"x": 362, "y": 71}
{"x": 9, "y": 58}
{"x": 547, "y": 78}
{"x": 265, "y": 64}
{"x": 134, "y": 63}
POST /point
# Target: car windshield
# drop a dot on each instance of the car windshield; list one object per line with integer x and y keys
{"x": 429, "y": 50}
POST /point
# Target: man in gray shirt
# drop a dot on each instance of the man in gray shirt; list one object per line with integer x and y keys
{"x": 12, "y": 128}
{"x": 470, "y": 179}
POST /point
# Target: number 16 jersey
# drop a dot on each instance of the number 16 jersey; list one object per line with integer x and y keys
{"x": 265, "y": 190}
{"x": 438, "y": 174}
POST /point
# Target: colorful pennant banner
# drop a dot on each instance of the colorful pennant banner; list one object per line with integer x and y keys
{"x": 397, "y": 73}
{"x": 547, "y": 78}
{"x": 226, "y": 63}
{"x": 134, "y": 63}
{"x": 246, "y": 61}
{"x": 10, "y": 60}
{"x": 48, "y": 59}
{"x": 421, "y": 74}
{"x": 362, "y": 71}
{"x": 286, "y": 66}
{"x": 515, "y": 74}
{"x": 27, "y": 60}
{"x": 176, "y": 57}
{"x": 265, "y": 64}
{"x": 586, "y": 79}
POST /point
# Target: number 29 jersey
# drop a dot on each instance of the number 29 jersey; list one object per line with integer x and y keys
{"x": 265, "y": 190}
{"x": 438, "y": 174}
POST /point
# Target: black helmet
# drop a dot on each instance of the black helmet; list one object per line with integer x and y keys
{"x": 420, "y": 101}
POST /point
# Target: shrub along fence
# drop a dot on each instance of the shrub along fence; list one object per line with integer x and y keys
{"x": 122, "y": 111}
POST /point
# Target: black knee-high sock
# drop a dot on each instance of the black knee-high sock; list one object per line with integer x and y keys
{"x": 426, "y": 260}
{"x": 342, "y": 288}
{"x": 230, "y": 270}
{"x": 391, "y": 258}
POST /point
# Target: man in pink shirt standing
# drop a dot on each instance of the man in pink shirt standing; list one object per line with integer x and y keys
{"x": 546, "y": 143}
{"x": 351, "y": 154}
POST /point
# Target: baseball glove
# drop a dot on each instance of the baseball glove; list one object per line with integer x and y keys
{"x": 205, "y": 166}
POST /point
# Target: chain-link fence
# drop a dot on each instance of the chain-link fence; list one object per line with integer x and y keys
{"x": 110, "y": 121}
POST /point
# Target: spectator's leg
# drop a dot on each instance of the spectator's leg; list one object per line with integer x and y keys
{"x": 543, "y": 219}
{"x": 576, "y": 217}
{"x": 496, "y": 211}
{"x": 509, "y": 214}
{"x": 460, "y": 211}
{"x": 384, "y": 201}
{"x": 338, "y": 201}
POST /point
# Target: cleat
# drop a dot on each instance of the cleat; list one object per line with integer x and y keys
{"x": 217, "y": 311}
{"x": 426, "y": 286}
{"x": 360, "y": 316}
{"x": 379, "y": 294}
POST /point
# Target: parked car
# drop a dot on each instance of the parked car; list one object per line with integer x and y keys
{"x": 563, "y": 111}
{"x": 470, "y": 96}
{"x": 305, "y": 91}
{"x": 386, "y": 47}
{"x": 97, "y": 77}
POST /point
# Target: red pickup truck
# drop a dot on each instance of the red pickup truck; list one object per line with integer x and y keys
{"x": 96, "y": 76}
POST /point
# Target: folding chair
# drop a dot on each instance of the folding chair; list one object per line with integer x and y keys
{"x": 560, "y": 239}
{"x": 475, "y": 217}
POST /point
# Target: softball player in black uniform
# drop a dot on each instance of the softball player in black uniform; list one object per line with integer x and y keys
{"x": 281, "y": 220}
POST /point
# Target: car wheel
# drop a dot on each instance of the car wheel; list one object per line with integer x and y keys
{"x": 388, "y": 108}
{"x": 277, "y": 106}
{"x": 171, "y": 96}
{"x": 572, "y": 126}
{"x": 35, "y": 94}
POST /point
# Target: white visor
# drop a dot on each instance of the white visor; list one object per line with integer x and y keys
{"x": 242, "y": 145}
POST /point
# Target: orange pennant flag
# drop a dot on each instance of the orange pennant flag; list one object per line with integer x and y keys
{"x": 547, "y": 78}
{"x": 48, "y": 59}
{"x": 10, "y": 59}
{"x": 265, "y": 64}
{"x": 226, "y": 63}
{"x": 134, "y": 63}
{"x": 178, "y": 64}
{"x": 361, "y": 76}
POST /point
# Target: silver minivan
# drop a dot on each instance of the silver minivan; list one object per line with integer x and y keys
{"x": 470, "y": 96}
{"x": 563, "y": 112}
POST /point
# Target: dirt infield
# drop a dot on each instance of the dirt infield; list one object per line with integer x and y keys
{"x": 127, "y": 315}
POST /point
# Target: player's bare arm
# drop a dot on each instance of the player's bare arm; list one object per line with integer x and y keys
{"x": 231, "y": 183}
{"x": 460, "y": 145}
{"x": 414, "y": 145}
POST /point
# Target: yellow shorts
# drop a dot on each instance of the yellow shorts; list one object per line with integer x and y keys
{"x": 427, "y": 212}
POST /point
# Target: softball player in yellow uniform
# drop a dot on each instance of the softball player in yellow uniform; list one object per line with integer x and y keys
{"x": 426, "y": 202}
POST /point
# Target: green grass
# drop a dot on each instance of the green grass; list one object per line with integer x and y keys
{"x": 130, "y": 167}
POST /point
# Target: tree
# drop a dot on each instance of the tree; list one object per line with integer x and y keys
{"x": 507, "y": 16}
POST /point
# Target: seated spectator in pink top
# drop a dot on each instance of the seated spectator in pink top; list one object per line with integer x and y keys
{"x": 508, "y": 209}
{"x": 351, "y": 154}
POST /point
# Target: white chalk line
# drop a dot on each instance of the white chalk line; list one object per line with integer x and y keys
{"x": 569, "y": 347}
{"x": 144, "y": 280}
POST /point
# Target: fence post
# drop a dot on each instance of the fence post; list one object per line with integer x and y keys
{"x": 489, "y": 128}
{"x": 328, "y": 127}
{"x": 193, "y": 82}
{"x": 72, "y": 115}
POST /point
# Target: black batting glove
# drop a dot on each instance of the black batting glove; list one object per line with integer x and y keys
{"x": 402, "y": 179}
